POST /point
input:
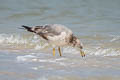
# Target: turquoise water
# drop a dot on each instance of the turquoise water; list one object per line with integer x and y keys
{"x": 25, "y": 56}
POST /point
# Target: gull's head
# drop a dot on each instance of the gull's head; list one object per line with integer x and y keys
{"x": 75, "y": 42}
{"x": 78, "y": 45}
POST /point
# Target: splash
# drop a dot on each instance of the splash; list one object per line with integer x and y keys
{"x": 103, "y": 51}
{"x": 27, "y": 58}
{"x": 25, "y": 41}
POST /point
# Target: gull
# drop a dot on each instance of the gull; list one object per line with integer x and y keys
{"x": 58, "y": 36}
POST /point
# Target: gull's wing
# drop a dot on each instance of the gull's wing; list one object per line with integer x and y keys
{"x": 43, "y": 31}
{"x": 48, "y": 30}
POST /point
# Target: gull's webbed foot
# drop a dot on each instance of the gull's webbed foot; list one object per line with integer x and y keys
{"x": 82, "y": 53}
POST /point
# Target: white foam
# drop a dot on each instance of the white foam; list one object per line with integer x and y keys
{"x": 26, "y": 58}
{"x": 35, "y": 68}
{"x": 51, "y": 60}
{"x": 34, "y": 59}
{"x": 115, "y": 38}
{"x": 13, "y": 39}
{"x": 26, "y": 41}
{"x": 39, "y": 46}
{"x": 70, "y": 50}
{"x": 40, "y": 60}
{"x": 103, "y": 52}
{"x": 63, "y": 64}
{"x": 59, "y": 59}
{"x": 47, "y": 60}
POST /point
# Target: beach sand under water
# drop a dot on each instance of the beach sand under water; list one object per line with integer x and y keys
{"x": 25, "y": 56}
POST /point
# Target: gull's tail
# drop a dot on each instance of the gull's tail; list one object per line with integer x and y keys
{"x": 27, "y": 28}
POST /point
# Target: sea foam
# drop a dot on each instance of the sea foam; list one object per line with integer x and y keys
{"x": 26, "y": 58}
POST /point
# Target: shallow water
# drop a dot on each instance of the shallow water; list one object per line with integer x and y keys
{"x": 25, "y": 56}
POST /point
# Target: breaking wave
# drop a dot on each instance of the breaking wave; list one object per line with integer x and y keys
{"x": 25, "y": 41}
{"x": 110, "y": 46}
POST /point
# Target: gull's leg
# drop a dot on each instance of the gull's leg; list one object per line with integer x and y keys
{"x": 82, "y": 53}
{"x": 59, "y": 51}
{"x": 53, "y": 51}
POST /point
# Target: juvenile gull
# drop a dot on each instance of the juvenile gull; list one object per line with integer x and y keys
{"x": 57, "y": 35}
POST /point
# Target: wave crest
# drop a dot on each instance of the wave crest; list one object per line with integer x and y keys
{"x": 30, "y": 41}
